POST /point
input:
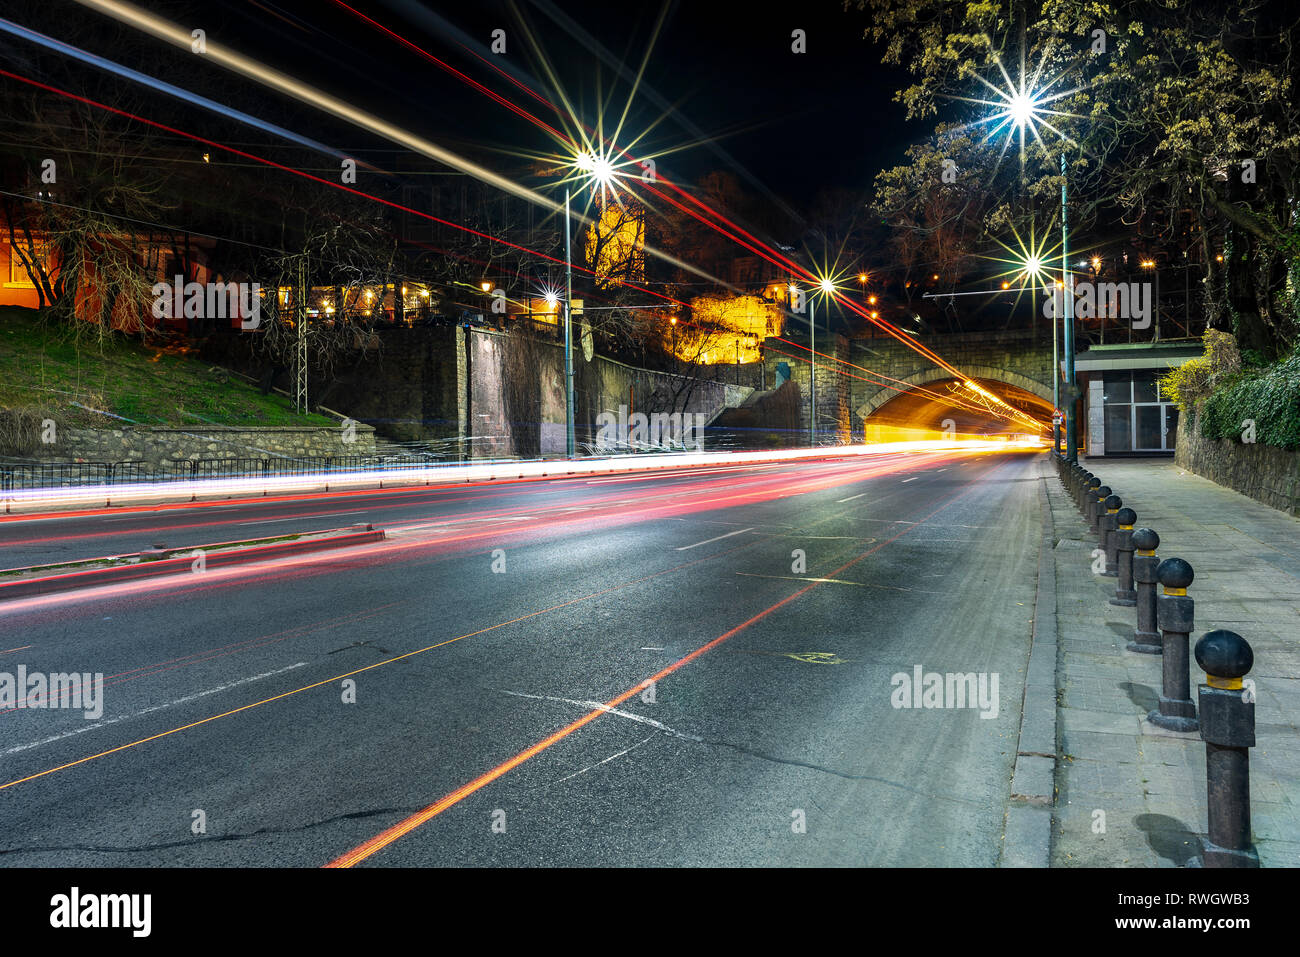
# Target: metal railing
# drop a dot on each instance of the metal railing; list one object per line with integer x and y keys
{"x": 43, "y": 475}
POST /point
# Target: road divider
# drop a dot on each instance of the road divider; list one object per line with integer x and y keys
{"x": 161, "y": 560}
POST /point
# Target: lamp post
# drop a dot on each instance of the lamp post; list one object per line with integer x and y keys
{"x": 1067, "y": 317}
{"x": 1022, "y": 108}
{"x": 600, "y": 172}
{"x": 569, "y": 444}
{"x": 812, "y": 375}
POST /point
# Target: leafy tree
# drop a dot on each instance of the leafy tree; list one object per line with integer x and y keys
{"x": 1157, "y": 110}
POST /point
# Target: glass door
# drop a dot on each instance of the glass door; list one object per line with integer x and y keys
{"x": 1148, "y": 428}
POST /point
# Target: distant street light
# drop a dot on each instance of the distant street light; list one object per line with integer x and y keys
{"x": 1023, "y": 108}
{"x": 600, "y": 172}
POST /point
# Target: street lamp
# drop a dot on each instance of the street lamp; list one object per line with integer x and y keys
{"x": 598, "y": 171}
{"x": 828, "y": 288}
{"x": 1023, "y": 108}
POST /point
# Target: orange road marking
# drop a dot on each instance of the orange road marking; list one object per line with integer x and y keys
{"x": 404, "y": 827}
{"x": 378, "y": 664}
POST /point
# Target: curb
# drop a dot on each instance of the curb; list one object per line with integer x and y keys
{"x": 71, "y": 581}
{"x": 1027, "y": 837}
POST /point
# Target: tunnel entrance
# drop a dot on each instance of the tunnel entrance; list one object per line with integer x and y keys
{"x": 948, "y": 405}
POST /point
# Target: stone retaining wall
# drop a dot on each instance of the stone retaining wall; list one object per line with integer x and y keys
{"x": 155, "y": 446}
{"x": 1265, "y": 473}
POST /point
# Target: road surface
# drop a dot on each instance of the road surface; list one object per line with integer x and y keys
{"x": 472, "y": 691}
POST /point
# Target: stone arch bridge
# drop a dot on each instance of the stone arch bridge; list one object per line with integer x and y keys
{"x": 1018, "y": 359}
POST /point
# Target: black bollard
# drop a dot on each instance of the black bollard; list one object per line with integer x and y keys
{"x": 1097, "y": 507}
{"x": 1146, "y": 639}
{"x": 1106, "y": 532}
{"x": 1085, "y": 489}
{"x": 1228, "y": 729}
{"x": 1174, "y": 615}
{"x": 1122, "y": 538}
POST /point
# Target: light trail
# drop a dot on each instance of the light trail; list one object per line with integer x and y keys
{"x": 397, "y": 831}
{"x": 236, "y": 62}
{"x": 96, "y": 496}
{"x": 732, "y": 496}
{"x": 163, "y": 87}
{"x": 340, "y": 186}
{"x": 305, "y": 93}
{"x": 443, "y": 65}
{"x": 317, "y": 179}
{"x": 753, "y": 244}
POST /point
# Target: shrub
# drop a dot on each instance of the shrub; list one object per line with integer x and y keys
{"x": 1197, "y": 378}
{"x": 22, "y": 430}
{"x": 1270, "y": 396}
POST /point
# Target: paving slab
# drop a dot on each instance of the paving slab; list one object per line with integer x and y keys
{"x": 1131, "y": 794}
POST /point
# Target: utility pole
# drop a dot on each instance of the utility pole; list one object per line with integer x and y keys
{"x": 300, "y": 317}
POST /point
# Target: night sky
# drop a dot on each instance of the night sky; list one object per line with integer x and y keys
{"x": 788, "y": 125}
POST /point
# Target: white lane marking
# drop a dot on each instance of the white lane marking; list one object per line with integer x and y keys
{"x": 941, "y": 470}
{"x": 157, "y": 707}
{"x": 838, "y": 581}
{"x": 850, "y": 498}
{"x": 601, "y": 706}
{"x": 605, "y": 761}
{"x": 645, "y": 648}
{"x": 912, "y": 479}
{"x": 294, "y": 518}
{"x": 453, "y": 524}
{"x": 718, "y": 539}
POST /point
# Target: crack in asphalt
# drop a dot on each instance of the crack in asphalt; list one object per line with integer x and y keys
{"x": 744, "y": 749}
{"x": 208, "y": 838}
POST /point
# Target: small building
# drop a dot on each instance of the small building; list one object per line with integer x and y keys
{"x": 1124, "y": 411}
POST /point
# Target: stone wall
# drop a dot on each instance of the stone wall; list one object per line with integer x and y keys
{"x": 834, "y": 387}
{"x": 505, "y": 394}
{"x": 410, "y": 388}
{"x": 1265, "y": 473}
{"x": 1017, "y": 358}
{"x": 159, "y": 446}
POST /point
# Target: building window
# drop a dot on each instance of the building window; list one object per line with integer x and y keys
{"x": 1138, "y": 418}
{"x": 18, "y": 272}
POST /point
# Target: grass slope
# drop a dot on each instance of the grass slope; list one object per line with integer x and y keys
{"x": 43, "y": 370}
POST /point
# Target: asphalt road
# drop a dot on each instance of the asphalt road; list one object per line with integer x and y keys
{"x": 497, "y": 647}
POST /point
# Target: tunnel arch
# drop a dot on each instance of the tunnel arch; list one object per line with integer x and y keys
{"x": 885, "y": 394}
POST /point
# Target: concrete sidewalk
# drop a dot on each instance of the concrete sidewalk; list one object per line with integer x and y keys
{"x": 1130, "y": 794}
